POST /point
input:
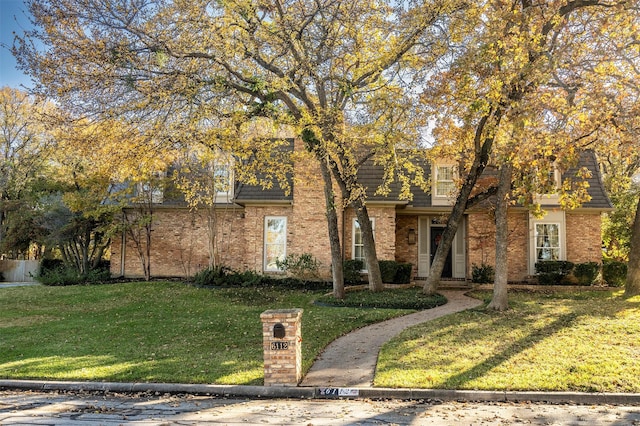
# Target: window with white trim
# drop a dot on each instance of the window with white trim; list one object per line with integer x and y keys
{"x": 547, "y": 240}
{"x": 152, "y": 190}
{"x": 444, "y": 180}
{"x": 443, "y": 177}
{"x": 358, "y": 243}
{"x": 275, "y": 242}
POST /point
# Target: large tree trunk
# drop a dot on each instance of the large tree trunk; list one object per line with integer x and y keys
{"x": 313, "y": 145}
{"x": 500, "y": 302}
{"x": 334, "y": 232}
{"x": 370, "y": 255}
{"x": 632, "y": 287}
{"x": 483, "y": 145}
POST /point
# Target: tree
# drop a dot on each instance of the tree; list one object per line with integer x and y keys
{"x": 205, "y": 178}
{"x": 344, "y": 74}
{"x": 499, "y": 301}
{"x": 514, "y": 60}
{"x": 23, "y": 145}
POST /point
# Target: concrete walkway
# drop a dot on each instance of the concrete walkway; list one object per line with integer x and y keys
{"x": 4, "y": 284}
{"x": 350, "y": 361}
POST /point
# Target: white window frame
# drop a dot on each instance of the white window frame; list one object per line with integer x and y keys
{"x": 551, "y": 197}
{"x": 154, "y": 194}
{"x": 267, "y": 267}
{"x": 356, "y": 228}
{"x": 223, "y": 196}
{"x": 438, "y": 198}
{"x": 545, "y": 247}
{"x": 551, "y": 218}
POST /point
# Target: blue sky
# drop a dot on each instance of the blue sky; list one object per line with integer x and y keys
{"x": 13, "y": 18}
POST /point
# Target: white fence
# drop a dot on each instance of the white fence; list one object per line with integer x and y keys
{"x": 19, "y": 270}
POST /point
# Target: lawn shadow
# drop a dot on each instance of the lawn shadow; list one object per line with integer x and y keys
{"x": 562, "y": 322}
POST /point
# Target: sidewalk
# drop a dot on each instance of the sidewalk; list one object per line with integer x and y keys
{"x": 346, "y": 368}
{"x": 16, "y": 284}
{"x": 350, "y": 361}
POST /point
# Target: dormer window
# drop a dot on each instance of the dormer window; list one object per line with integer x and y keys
{"x": 444, "y": 180}
{"x": 443, "y": 183}
{"x": 548, "y": 179}
{"x": 223, "y": 181}
{"x": 152, "y": 191}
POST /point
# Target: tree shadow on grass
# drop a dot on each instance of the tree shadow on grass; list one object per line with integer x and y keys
{"x": 515, "y": 348}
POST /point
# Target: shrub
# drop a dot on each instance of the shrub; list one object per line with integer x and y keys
{"x": 213, "y": 276}
{"x": 403, "y": 274}
{"x": 614, "y": 273}
{"x": 303, "y": 266}
{"x": 50, "y": 265}
{"x": 351, "y": 270}
{"x": 482, "y": 274}
{"x": 586, "y": 273}
{"x": 388, "y": 269}
{"x": 553, "y": 272}
{"x": 393, "y": 272}
{"x": 222, "y": 276}
{"x": 62, "y": 275}
{"x": 1, "y": 276}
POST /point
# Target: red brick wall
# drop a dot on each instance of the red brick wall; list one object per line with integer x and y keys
{"x": 406, "y": 252}
{"x": 384, "y": 233}
{"x": 180, "y": 242}
{"x": 310, "y": 232}
{"x": 481, "y": 243}
{"x": 584, "y": 239}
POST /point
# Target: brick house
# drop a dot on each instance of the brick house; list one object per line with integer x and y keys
{"x": 254, "y": 226}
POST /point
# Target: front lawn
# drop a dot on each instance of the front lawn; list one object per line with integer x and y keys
{"x": 565, "y": 342}
{"x": 156, "y": 332}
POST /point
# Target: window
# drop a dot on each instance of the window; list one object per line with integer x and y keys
{"x": 444, "y": 180}
{"x": 547, "y": 180}
{"x": 275, "y": 242}
{"x": 547, "y": 241}
{"x": 547, "y": 238}
{"x": 152, "y": 191}
{"x": 222, "y": 178}
{"x": 358, "y": 243}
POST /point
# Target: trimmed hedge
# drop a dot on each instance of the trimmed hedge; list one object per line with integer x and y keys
{"x": 553, "y": 272}
{"x": 222, "y": 276}
{"x": 352, "y": 271}
{"x": 614, "y": 273}
{"x": 395, "y": 272}
{"x": 586, "y": 273}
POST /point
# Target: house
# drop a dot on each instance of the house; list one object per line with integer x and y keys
{"x": 252, "y": 227}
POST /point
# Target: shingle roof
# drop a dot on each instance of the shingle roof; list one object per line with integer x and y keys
{"x": 371, "y": 176}
{"x": 599, "y": 198}
{"x": 256, "y": 193}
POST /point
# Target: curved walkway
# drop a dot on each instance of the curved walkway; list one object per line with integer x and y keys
{"x": 350, "y": 361}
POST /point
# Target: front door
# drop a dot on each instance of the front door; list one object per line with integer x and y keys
{"x": 429, "y": 235}
{"x": 436, "y": 236}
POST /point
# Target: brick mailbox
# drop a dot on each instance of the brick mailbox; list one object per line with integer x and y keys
{"x": 282, "y": 343}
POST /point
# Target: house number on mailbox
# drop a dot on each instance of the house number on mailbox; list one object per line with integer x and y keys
{"x": 279, "y": 346}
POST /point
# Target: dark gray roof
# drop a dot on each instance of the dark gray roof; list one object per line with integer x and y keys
{"x": 245, "y": 193}
{"x": 371, "y": 176}
{"x": 599, "y": 198}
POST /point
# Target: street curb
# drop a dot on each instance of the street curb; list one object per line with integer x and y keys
{"x": 580, "y": 398}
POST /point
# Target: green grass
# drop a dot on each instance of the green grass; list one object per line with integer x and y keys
{"x": 389, "y": 298}
{"x": 587, "y": 342}
{"x": 156, "y": 332}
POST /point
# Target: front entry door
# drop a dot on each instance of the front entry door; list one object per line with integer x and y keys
{"x": 436, "y": 236}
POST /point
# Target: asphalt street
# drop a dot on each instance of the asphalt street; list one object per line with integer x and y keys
{"x": 83, "y": 408}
